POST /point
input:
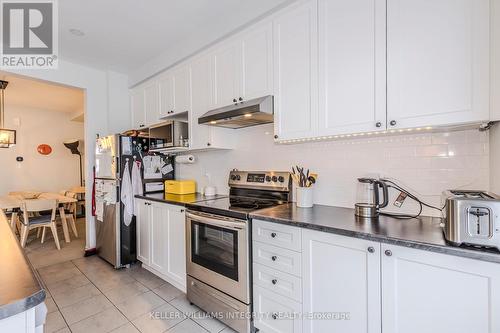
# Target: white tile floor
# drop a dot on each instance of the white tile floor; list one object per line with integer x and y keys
{"x": 85, "y": 294}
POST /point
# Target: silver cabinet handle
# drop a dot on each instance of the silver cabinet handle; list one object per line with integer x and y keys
{"x": 378, "y": 124}
{"x": 393, "y": 123}
{"x": 388, "y": 253}
{"x": 274, "y": 281}
{"x": 273, "y": 235}
{"x": 273, "y": 258}
{"x": 371, "y": 249}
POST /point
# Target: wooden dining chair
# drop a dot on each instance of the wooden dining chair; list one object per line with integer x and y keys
{"x": 31, "y": 207}
{"x": 70, "y": 211}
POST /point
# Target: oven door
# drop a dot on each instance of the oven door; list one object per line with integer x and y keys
{"x": 218, "y": 253}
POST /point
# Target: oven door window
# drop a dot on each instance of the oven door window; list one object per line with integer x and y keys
{"x": 215, "y": 248}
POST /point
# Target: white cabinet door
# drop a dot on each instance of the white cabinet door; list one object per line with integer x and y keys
{"x": 159, "y": 232}
{"x": 166, "y": 90}
{"x": 352, "y": 66}
{"x": 204, "y": 136}
{"x": 137, "y": 107}
{"x": 257, "y": 61}
{"x": 295, "y": 71}
{"x": 438, "y": 62}
{"x": 175, "y": 241}
{"x": 202, "y": 92}
{"x": 151, "y": 103}
{"x": 182, "y": 89}
{"x": 341, "y": 274}
{"x": 143, "y": 225}
{"x": 276, "y": 313}
{"x": 226, "y": 62}
{"x": 431, "y": 292}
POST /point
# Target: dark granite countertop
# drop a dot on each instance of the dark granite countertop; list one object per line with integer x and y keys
{"x": 178, "y": 199}
{"x": 423, "y": 233}
{"x": 20, "y": 287}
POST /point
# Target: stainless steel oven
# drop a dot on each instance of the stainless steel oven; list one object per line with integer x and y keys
{"x": 218, "y": 253}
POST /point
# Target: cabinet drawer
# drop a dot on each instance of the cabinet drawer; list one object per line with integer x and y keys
{"x": 277, "y": 258}
{"x": 278, "y": 282}
{"x": 277, "y": 234}
{"x": 275, "y": 313}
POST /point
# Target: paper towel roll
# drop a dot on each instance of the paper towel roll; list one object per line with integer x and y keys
{"x": 185, "y": 159}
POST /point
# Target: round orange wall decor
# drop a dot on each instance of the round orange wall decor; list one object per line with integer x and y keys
{"x": 44, "y": 149}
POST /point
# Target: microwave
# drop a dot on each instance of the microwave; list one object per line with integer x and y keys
{"x": 169, "y": 134}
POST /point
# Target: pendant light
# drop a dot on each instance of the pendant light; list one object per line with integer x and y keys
{"x": 7, "y": 136}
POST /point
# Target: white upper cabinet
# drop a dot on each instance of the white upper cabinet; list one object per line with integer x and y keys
{"x": 226, "y": 62}
{"x": 352, "y": 66}
{"x": 182, "y": 89}
{"x": 432, "y": 292}
{"x": 242, "y": 67}
{"x": 145, "y": 104}
{"x": 295, "y": 71}
{"x": 137, "y": 107}
{"x": 204, "y": 136}
{"x": 437, "y": 62}
{"x": 257, "y": 62}
{"x": 151, "y": 103}
{"x": 167, "y": 99}
{"x": 175, "y": 91}
{"x": 200, "y": 77}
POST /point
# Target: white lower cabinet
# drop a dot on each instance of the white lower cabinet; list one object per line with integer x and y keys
{"x": 348, "y": 284}
{"x": 143, "y": 231}
{"x": 430, "y": 292}
{"x": 276, "y": 313}
{"x": 341, "y": 279}
{"x": 161, "y": 240}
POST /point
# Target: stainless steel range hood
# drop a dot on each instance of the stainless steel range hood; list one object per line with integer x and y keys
{"x": 249, "y": 113}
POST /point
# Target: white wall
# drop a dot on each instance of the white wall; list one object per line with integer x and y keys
{"x": 96, "y": 85}
{"x": 428, "y": 163}
{"x": 52, "y": 173}
{"x": 119, "y": 116}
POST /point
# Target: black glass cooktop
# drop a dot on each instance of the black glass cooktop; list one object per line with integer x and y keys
{"x": 233, "y": 206}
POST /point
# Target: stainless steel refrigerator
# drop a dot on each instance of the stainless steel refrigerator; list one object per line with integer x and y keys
{"x": 115, "y": 241}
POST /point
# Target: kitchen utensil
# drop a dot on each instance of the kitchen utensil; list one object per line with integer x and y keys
{"x": 368, "y": 197}
{"x": 304, "y": 197}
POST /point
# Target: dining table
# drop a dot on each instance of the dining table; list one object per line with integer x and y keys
{"x": 13, "y": 202}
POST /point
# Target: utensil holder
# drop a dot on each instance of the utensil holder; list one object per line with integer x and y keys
{"x": 304, "y": 197}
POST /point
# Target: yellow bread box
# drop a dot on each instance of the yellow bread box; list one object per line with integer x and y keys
{"x": 180, "y": 186}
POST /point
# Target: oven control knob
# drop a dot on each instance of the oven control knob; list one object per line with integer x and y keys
{"x": 268, "y": 178}
{"x": 238, "y": 177}
{"x": 233, "y": 177}
{"x": 281, "y": 179}
{"x": 275, "y": 179}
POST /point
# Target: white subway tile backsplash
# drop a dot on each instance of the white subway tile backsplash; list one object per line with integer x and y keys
{"x": 427, "y": 163}
{"x": 449, "y": 137}
{"x": 432, "y": 151}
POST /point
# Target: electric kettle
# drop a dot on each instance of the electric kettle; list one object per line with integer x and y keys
{"x": 368, "y": 197}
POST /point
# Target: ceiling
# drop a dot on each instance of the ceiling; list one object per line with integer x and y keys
{"x": 29, "y": 93}
{"x": 122, "y": 35}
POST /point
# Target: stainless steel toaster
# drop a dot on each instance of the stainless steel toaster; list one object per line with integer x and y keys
{"x": 472, "y": 218}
